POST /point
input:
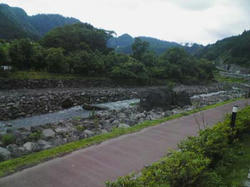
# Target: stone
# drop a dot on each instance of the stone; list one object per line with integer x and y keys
{"x": 44, "y": 144}
{"x": 67, "y": 103}
{"x": 48, "y": 133}
{"x": 115, "y": 123}
{"x": 182, "y": 99}
{"x": 15, "y": 150}
{"x": 153, "y": 98}
{"x": 61, "y": 130}
{"x": 89, "y": 133}
{"x": 31, "y": 146}
{"x": 123, "y": 125}
{"x": 104, "y": 131}
{"x": 4, "y": 154}
{"x": 164, "y": 98}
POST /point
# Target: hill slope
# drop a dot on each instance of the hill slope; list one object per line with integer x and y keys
{"x": 15, "y": 23}
{"x": 232, "y": 50}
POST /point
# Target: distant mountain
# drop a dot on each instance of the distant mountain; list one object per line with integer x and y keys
{"x": 159, "y": 46}
{"x": 15, "y": 23}
{"x": 43, "y": 23}
{"x": 232, "y": 50}
{"x": 123, "y": 44}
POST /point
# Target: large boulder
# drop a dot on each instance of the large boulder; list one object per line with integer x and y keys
{"x": 48, "y": 133}
{"x": 156, "y": 98}
{"x": 67, "y": 103}
{"x": 182, "y": 99}
{"x": 4, "y": 154}
{"x": 164, "y": 98}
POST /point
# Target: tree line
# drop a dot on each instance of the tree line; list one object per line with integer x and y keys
{"x": 81, "y": 49}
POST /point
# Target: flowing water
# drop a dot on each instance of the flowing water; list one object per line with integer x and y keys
{"x": 54, "y": 117}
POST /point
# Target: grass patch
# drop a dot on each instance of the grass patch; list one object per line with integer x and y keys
{"x": 25, "y": 75}
{"x": 221, "y": 78}
{"x": 13, "y": 165}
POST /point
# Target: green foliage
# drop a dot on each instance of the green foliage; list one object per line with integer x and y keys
{"x": 132, "y": 69}
{"x": 78, "y": 36}
{"x": 56, "y": 61}
{"x": 35, "y": 136}
{"x": 8, "y": 139}
{"x": 20, "y": 52}
{"x": 139, "y": 48}
{"x": 80, "y": 128}
{"x": 232, "y": 50}
{"x": 175, "y": 64}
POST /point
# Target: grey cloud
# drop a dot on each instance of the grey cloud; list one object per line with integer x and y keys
{"x": 194, "y": 4}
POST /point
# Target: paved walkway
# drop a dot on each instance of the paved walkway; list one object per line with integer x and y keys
{"x": 92, "y": 166}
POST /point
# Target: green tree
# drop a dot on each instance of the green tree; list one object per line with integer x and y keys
{"x": 139, "y": 47}
{"x": 79, "y": 36}
{"x": 3, "y": 56}
{"x": 56, "y": 61}
{"x": 132, "y": 69}
{"x": 38, "y": 61}
{"x": 20, "y": 53}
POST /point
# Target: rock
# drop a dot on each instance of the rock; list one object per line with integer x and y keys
{"x": 43, "y": 144}
{"x": 104, "y": 131}
{"x": 153, "y": 98}
{"x": 48, "y": 133}
{"x": 15, "y": 150}
{"x": 115, "y": 123}
{"x": 89, "y": 133}
{"x": 31, "y": 146}
{"x": 93, "y": 107}
{"x": 123, "y": 125}
{"x": 182, "y": 99}
{"x": 58, "y": 141}
{"x": 139, "y": 116}
{"x": 164, "y": 98}
{"x": 61, "y": 130}
{"x": 4, "y": 154}
{"x": 67, "y": 103}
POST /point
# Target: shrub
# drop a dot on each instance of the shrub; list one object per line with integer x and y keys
{"x": 35, "y": 135}
{"x": 80, "y": 128}
{"x": 8, "y": 139}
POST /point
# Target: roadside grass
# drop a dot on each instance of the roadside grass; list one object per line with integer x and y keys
{"x": 25, "y": 75}
{"x": 221, "y": 78}
{"x": 16, "y": 164}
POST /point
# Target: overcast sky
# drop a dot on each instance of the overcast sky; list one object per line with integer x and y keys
{"x": 201, "y": 21}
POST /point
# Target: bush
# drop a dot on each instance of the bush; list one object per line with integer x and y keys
{"x": 8, "y": 139}
{"x": 35, "y": 135}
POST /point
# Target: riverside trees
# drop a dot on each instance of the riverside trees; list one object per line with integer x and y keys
{"x": 81, "y": 49}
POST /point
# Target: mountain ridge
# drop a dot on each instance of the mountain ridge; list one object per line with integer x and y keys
{"x": 16, "y": 23}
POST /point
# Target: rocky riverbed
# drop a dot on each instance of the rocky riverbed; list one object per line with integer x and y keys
{"x": 29, "y": 102}
{"x": 22, "y": 140}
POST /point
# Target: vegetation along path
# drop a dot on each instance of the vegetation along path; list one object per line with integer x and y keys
{"x": 92, "y": 166}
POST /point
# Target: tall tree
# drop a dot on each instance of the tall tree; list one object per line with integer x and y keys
{"x": 139, "y": 47}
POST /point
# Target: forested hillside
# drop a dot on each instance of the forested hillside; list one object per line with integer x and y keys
{"x": 232, "y": 50}
{"x": 15, "y": 23}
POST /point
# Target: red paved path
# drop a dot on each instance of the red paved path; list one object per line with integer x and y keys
{"x": 92, "y": 166}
